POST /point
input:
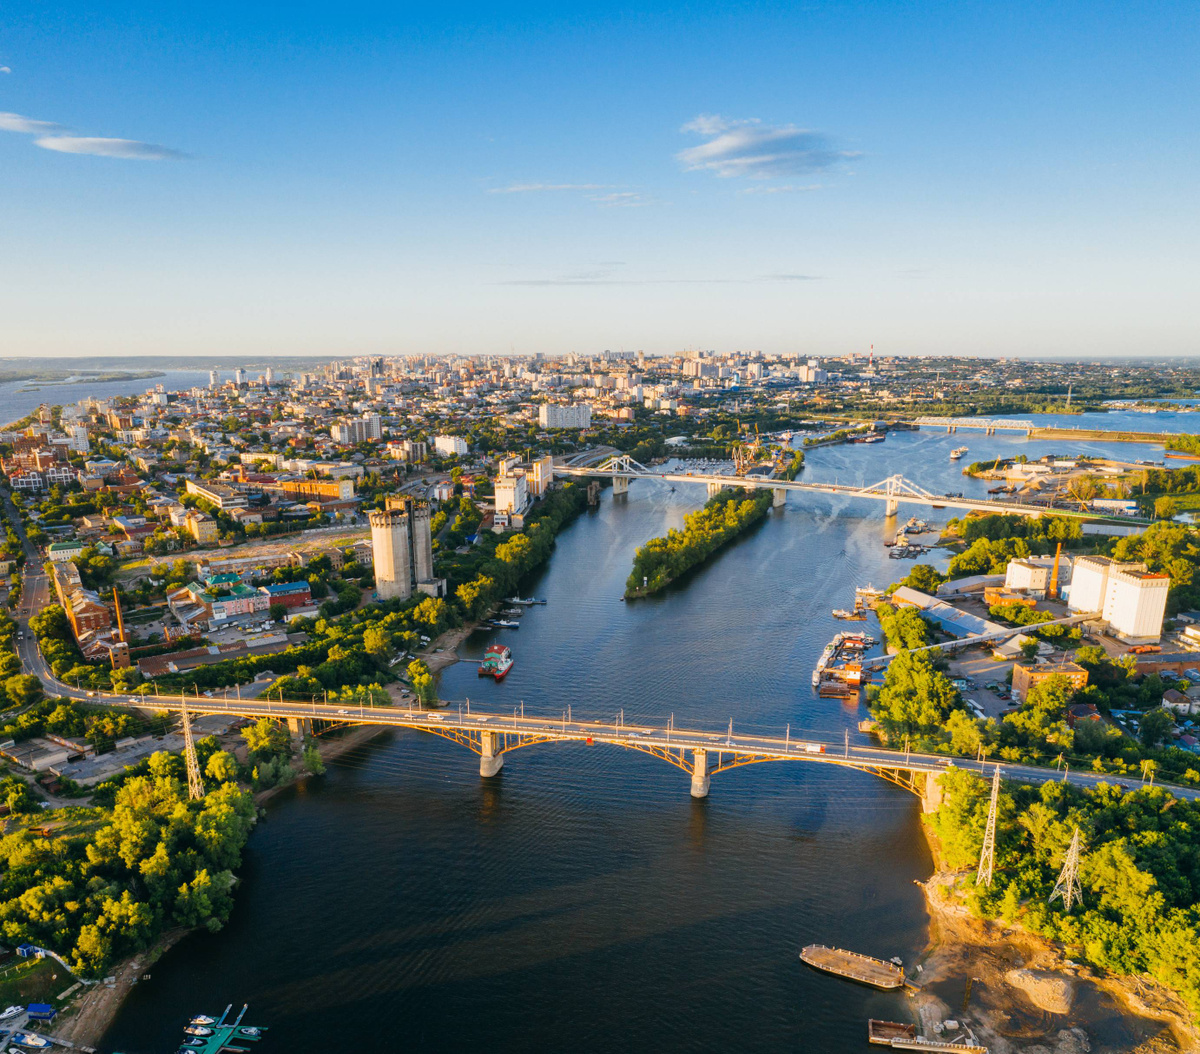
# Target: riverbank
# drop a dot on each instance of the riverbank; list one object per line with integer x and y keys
{"x": 85, "y": 1024}
{"x": 93, "y": 1012}
{"x": 1018, "y": 993}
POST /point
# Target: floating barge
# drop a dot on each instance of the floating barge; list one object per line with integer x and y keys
{"x": 904, "y": 1037}
{"x": 878, "y": 973}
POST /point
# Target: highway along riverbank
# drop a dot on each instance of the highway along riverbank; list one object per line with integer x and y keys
{"x": 583, "y": 898}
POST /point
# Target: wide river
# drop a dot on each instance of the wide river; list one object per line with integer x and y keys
{"x": 582, "y": 900}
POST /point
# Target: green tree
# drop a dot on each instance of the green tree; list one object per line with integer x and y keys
{"x": 23, "y": 689}
{"x": 915, "y": 699}
{"x": 266, "y": 738}
{"x": 1156, "y": 727}
{"x": 422, "y": 682}
{"x": 222, "y": 767}
{"x": 1165, "y": 507}
{"x": 924, "y": 577}
{"x": 377, "y": 644}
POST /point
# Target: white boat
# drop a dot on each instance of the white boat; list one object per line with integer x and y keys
{"x": 957, "y": 452}
{"x": 506, "y": 624}
{"x": 12, "y": 1011}
{"x": 203, "y": 1019}
{"x": 198, "y": 1030}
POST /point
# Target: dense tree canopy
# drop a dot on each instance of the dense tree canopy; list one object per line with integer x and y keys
{"x": 662, "y": 560}
{"x": 1140, "y": 870}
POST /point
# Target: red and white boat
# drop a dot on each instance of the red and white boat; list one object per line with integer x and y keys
{"x": 497, "y": 661}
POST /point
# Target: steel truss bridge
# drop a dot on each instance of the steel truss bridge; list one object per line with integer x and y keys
{"x": 700, "y": 754}
{"x": 895, "y": 490}
{"x": 990, "y": 425}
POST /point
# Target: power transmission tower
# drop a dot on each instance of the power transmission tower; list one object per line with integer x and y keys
{"x": 195, "y": 784}
{"x": 987, "y": 855}
{"x": 1067, "y": 885}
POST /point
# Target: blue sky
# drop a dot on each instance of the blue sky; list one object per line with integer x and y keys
{"x": 954, "y": 178}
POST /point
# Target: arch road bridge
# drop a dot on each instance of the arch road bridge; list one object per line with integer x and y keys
{"x": 699, "y": 753}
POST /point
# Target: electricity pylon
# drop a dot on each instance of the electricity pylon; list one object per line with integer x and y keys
{"x": 1067, "y": 885}
{"x": 195, "y": 784}
{"x": 987, "y": 855}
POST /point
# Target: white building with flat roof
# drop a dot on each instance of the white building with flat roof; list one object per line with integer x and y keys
{"x": 1135, "y": 604}
{"x": 1026, "y": 576}
{"x": 1129, "y": 598}
{"x": 448, "y": 445}
{"x": 512, "y": 494}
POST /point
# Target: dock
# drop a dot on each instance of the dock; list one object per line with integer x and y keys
{"x": 220, "y": 1036}
{"x": 899, "y": 1036}
{"x": 878, "y": 973}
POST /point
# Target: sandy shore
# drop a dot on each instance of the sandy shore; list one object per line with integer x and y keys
{"x": 1017, "y": 993}
{"x": 93, "y": 1012}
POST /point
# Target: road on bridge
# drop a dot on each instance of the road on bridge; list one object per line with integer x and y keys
{"x": 510, "y": 731}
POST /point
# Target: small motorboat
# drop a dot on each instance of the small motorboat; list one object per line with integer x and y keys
{"x": 12, "y": 1011}
{"x": 30, "y": 1039}
{"x": 198, "y": 1030}
{"x": 203, "y": 1019}
{"x": 250, "y": 1030}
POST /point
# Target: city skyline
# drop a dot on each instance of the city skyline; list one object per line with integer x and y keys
{"x": 305, "y": 182}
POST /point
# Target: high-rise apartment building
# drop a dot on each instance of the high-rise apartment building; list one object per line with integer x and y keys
{"x": 578, "y": 415}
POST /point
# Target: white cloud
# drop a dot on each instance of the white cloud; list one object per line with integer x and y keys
{"x": 530, "y": 188}
{"x": 751, "y": 148}
{"x": 14, "y": 122}
{"x": 5, "y": 69}
{"x": 51, "y": 136}
{"x": 626, "y": 199}
{"x": 129, "y": 149}
{"x": 787, "y": 188}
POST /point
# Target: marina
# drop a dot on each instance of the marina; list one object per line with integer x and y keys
{"x": 878, "y": 973}
{"x": 846, "y": 644}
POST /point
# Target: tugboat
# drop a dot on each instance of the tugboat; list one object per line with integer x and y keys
{"x": 497, "y": 661}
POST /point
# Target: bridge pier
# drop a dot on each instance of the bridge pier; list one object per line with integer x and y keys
{"x": 778, "y": 497}
{"x": 893, "y": 506}
{"x": 299, "y": 727}
{"x": 491, "y": 760}
{"x": 714, "y": 489}
{"x": 620, "y": 485}
{"x": 931, "y": 797}
{"x": 700, "y": 778}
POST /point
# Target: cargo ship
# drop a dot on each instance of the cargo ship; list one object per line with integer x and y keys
{"x": 957, "y": 452}
{"x": 497, "y": 661}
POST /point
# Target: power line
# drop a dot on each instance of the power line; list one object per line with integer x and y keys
{"x": 987, "y": 855}
{"x": 1067, "y": 885}
{"x": 195, "y": 784}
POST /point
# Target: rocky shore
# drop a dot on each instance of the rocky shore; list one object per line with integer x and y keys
{"x": 1017, "y": 993}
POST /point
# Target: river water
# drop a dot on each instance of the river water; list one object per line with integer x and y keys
{"x": 18, "y": 398}
{"x": 582, "y": 900}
